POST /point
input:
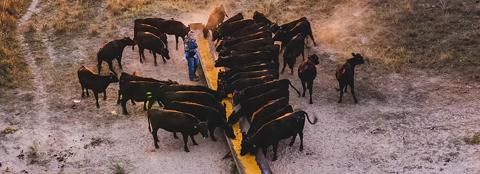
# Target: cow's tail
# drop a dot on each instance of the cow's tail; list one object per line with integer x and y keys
{"x": 308, "y": 118}
{"x": 290, "y": 83}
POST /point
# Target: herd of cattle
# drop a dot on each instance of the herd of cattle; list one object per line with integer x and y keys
{"x": 247, "y": 51}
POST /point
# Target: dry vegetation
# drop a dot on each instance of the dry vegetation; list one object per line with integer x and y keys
{"x": 12, "y": 65}
{"x": 425, "y": 33}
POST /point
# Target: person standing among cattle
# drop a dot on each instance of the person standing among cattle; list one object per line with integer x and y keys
{"x": 192, "y": 56}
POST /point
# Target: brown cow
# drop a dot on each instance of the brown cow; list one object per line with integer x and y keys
{"x": 216, "y": 17}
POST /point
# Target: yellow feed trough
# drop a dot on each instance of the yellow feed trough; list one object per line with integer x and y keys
{"x": 247, "y": 163}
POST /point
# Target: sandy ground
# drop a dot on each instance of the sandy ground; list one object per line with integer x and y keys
{"x": 413, "y": 122}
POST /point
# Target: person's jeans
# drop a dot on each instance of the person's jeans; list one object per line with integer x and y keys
{"x": 192, "y": 67}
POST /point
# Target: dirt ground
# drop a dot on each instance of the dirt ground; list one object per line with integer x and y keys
{"x": 411, "y": 122}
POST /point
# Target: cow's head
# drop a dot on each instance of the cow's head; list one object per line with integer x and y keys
{"x": 165, "y": 53}
{"x": 356, "y": 60}
{"x": 221, "y": 62}
{"x": 202, "y": 128}
{"x": 313, "y": 59}
{"x": 215, "y": 34}
{"x": 128, "y": 41}
{"x": 247, "y": 145}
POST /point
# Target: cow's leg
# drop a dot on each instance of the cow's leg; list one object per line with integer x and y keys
{"x": 110, "y": 66}
{"x": 105, "y": 95}
{"x": 185, "y": 141}
{"x": 95, "y": 93}
{"x": 304, "y": 87}
{"x": 211, "y": 130}
{"x": 124, "y": 105}
{"x": 175, "y": 135}
{"x": 155, "y": 58}
{"x": 265, "y": 150}
{"x": 300, "y": 134}
{"x": 193, "y": 140}
{"x": 293, "y": 140}
{"x": 341, "y": 84}
{"x": 83, "y": 91}
{"x": 352, "y": 88}
{"x": 140, "y": 51}
{"x": 310, "y": 87}
{"x": 145, "y": 105}
{"x": 275, "y": 147}
{"x": 119, "y": 61}
{"x": 155, "y": 137}
{"x": 99, "y": 66}
{"x": 303, "y": 54}
{"x": 86, "y": 91}
{"x": 119, "y": 95}
{"x": 176, "y": 42}
{"x": 284, "y": 65}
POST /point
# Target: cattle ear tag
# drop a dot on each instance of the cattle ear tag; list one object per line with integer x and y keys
{"x": 195, "y": 127}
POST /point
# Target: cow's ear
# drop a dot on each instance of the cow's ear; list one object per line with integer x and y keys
{"x": 353, "y": 54}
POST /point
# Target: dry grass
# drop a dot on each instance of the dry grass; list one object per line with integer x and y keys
{"x": 428, "y": 34}
{"x": 117, "y": 169}
{"x": 32, "y": 153}
{"x": 474, "y": 140}
{"x": 119, "y": 6}
{"x": 12, "y": 65}
{"x": 8, "y": 130}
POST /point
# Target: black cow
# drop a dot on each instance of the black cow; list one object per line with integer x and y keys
{"x": 303, "y": 28}
{"x": 246, "y": 108}
{"x": 228, "y": 28}
{"x": 251, "y": 74}
{"x": 147, "y": 40}
{"x": 243, "y": 83}
{"x": 260, "y": 18}
{"x": 247, "y": 30}
{"x": 260, "y": 120}
{"x": 272, "y": 132}
{"x": 307, "y": 73}
{"x": 345, "y": 75}
{"x": 247, "y": 68}
{"x": 151, "y": 29}
{"x": 97, "y": 83}
{"x": 292, "y": 51}
{"x": 288, "y": 26}
{"x": 113, "y": 50}
{"x": 250, "y": 44}
{"x": 171, "y": 27}
{"x": 199, "y": 97}
{"x": 233, "y": 41}
{"x": 242, "y": 59}
{"x": 216, "y": 35}
{"x": 177, "y": 87}
{"x": 140, "y": 91}
{"x": 125, "y": 77}
{"x": 204, "y": 113}
{"x": 253, "y": 91}
{"x": 175, "y": 121}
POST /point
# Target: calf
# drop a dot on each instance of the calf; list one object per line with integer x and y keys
{"x": 125, "y": 77}
{"x": 288, "y": 26}
{"x": 307, "y": 73}
{"x": 216, "y": 17}
{"x": 292, "y": 51}
{"x": 97, "y": 83}
{"x": 151, "y": 29}
{"x": 246, "y": 109}
{"x": 192, "y": 96}
{"x": 204, "y": 113}
{"x": 272, "y": 132}
{"x": 147, "y": 40}
{"x": 113, "y": 50}
{"x": 175, "y": 121}
{"x": 345, "y": 75}
{"x": 253, "y": 91}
